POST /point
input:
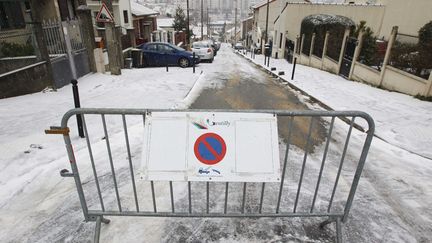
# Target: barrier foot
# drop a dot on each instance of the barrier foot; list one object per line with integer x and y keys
{"x": 323, "y": 224}
{"x": 97, "y": 229}
{"x": 105, "y": 220}
{"x": 338, "y": 228}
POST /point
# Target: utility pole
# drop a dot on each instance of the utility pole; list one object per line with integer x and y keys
{"x": 202, "y": 20}
{"x": 235, "y": 23}
{"x": 208, "y": 18}
{"x": 113, "y": 43}
{"x": 84, "y": 15}
{"x": 267, "y": 17}
{"x": 187, "y": 28}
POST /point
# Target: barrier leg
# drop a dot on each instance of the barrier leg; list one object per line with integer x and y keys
{"x": 339, "y": 231}
{"x": 99, "y": 220}
{"x": 97, "y": 229}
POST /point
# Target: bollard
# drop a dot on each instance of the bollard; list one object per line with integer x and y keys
{"x": 167, "y": 67}
{"x": 77, "y": 105}
{"x": 193, "y": 62}
{"x": 295, "y": 63}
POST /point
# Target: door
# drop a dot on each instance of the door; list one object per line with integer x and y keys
{"x": 150, "y": 55}
{"x": 289, "y": 50}
{"x": 348, "y": 57}
{"x": 168, "y": 55}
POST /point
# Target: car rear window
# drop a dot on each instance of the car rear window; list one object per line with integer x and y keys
{"x": 199, "y": 45}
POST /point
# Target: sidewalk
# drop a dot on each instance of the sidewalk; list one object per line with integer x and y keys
{"x": 401, "y": 120}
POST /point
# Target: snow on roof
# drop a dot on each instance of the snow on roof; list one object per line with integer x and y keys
{"x": 139, "y": 10}
{"x": 165, "y": 22}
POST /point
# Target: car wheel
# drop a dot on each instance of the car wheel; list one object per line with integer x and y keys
{"x": 183, "y": 62}
{"x": 211, "y": 60}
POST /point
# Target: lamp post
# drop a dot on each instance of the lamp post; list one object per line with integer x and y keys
{"x": 202, "y": 19}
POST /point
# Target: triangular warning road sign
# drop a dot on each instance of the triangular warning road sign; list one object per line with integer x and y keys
{"x": 104, "y": 15}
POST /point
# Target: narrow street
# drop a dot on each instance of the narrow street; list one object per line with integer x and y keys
{"x": 234, "y": 83}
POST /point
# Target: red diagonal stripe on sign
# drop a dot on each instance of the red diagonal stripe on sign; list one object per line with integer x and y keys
{"x": 211, "y": 149}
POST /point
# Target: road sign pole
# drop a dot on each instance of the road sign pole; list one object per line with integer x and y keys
{"x": 112, "y": 38}
{"x": 294, "y": 66}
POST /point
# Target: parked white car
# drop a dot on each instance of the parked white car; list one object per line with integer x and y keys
{"x": 204, "y": 50}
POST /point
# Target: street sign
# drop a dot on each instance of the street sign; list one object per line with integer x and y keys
{"x": 204, "y": 146}
{"x": 210, "y": 148}
{"x": 104, "y": 15}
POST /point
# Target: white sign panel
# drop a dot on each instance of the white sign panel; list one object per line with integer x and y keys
{"x": 197, "y": 146}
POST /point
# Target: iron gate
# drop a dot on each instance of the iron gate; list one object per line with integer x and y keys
{"x": 348, "y": 57}
{"x": 333, "y": 206}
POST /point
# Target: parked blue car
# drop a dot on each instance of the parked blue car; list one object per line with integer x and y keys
{"x": 163, "y": 54}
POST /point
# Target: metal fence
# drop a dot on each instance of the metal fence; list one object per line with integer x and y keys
{"x": 54, "y": 36}
{"x": 325, "y": 192}
{"x": 409, "y": 54}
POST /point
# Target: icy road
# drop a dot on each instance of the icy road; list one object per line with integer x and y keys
{"x": 37, "y": 205}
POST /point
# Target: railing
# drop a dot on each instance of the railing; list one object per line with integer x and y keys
{"x": 301, "y": 192}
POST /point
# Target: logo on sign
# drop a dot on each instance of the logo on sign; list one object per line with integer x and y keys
{"x": 210, "y": 148}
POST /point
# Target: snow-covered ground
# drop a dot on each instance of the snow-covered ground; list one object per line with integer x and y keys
{"x": 399, "y": 162}
{"x": 37, "y": 205}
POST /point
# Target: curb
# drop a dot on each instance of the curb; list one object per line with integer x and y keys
{"x": 188, "y": 99}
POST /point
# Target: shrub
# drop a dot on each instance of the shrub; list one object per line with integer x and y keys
{"x": 16, "y": 50}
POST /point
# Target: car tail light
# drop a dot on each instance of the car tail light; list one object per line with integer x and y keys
{"x": 209, "y": 50}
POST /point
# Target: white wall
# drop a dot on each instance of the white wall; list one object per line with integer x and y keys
{"x": 409, "y": 15}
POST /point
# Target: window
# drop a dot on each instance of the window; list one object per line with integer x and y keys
{"x": 151, "y": 47}
{"x": 125, "y": 16}
{"x": 164, "y": 48}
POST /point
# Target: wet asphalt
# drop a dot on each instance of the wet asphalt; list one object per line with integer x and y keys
{"x": 235, "y": 83}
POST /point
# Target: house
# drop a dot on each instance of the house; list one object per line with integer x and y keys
{"x": 260, "y": 22}
{"x": 165, "y": 31}
{"x": 307, "y": 31}
{"x": 246, "y": 31}
{"x": 144, "y": 22}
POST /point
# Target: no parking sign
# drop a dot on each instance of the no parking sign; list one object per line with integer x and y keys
{"x": 205, "y": 146}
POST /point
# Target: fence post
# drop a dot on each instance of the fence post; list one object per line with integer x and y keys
{"x": 356, "y": 53}
{"x": 342, "y": 50}
{"x": 324, "y": 48}
{"x": 428, "y": 86}
{"x": 77, "y": 105}
{"x": 388, "y": 53}
{"x": 69, "y": 50}
{"x": 311, "y": 48}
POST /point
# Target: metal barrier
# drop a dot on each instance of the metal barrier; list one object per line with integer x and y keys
{"x": 338, "y": 215}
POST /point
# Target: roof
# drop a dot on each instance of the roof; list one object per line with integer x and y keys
{"x": 165, "y": 22}
{"x": 140, "y": 10}
{"x": 262, "y": 4}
